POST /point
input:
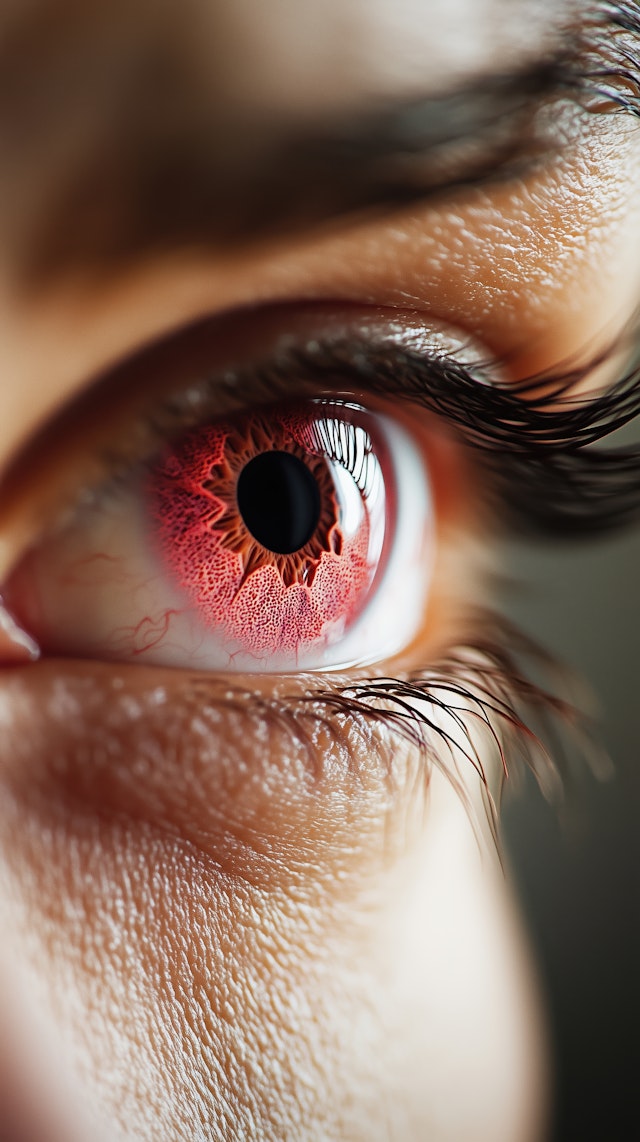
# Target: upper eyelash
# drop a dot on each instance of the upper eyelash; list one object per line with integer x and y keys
{"x": 616, "y": 76}
{"x": 535, "y": 437}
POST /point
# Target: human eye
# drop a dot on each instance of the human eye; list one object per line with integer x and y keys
{"x": 286, "y": 534}
{"x": 251, "y": 758}
{"x": 375, "y": 437}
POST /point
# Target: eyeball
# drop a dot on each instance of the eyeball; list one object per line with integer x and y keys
{"x": 286, "y": 538}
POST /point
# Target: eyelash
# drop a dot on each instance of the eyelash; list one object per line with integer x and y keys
{"x": 617, "y": 74}
{"x": 534, "y": 439}
{"x": 475, "y": 685}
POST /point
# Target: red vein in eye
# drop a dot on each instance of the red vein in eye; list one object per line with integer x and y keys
{"x": 149, "y": 632}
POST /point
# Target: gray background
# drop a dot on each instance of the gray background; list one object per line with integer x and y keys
{"x": 578, "y": 871}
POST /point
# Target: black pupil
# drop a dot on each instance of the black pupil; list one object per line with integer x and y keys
{"x": 279, "y": 501}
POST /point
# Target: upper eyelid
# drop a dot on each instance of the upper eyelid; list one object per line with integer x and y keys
{"x": 517, "y": 424}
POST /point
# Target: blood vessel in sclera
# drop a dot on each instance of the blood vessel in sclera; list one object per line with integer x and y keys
{"x": 264, "y": 603}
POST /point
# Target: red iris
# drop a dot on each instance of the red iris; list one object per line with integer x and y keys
{"x": 274, "y": 525}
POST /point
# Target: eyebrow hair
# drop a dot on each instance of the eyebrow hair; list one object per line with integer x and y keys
{"x": 103, "y": 162}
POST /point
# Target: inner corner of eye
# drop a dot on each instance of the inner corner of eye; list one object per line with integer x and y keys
{"x": 276, "y": 540}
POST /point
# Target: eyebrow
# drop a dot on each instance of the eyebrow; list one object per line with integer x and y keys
{"x": 391, "y": 155}
{"x": 140, "y": 180}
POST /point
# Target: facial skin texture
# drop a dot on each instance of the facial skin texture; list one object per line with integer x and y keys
{"x": 234, "y": 926}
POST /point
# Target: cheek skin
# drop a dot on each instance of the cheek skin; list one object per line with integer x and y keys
{"x": 240, "y": 935}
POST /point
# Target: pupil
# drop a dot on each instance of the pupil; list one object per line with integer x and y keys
{"x": 279, "y": 501}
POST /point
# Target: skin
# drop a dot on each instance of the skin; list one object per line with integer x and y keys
{"x": 215, "y": 927}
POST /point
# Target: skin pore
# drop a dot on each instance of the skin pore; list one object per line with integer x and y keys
{"x": 223, "y": 923}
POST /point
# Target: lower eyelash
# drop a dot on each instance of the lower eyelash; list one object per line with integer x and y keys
{"x": 148, "y": 744}
{"x": 480, "y": 685}
{"x": 438, "y": 710}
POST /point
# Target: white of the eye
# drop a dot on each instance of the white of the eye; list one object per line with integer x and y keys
{"x": 392, "y": 618}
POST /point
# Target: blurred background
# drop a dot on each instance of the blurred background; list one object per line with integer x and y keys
{"x": 579, "y": 869}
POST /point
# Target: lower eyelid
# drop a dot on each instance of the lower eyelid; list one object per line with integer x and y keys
{"x": 291, "y": 770}
{"x": 230, "y": 774}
